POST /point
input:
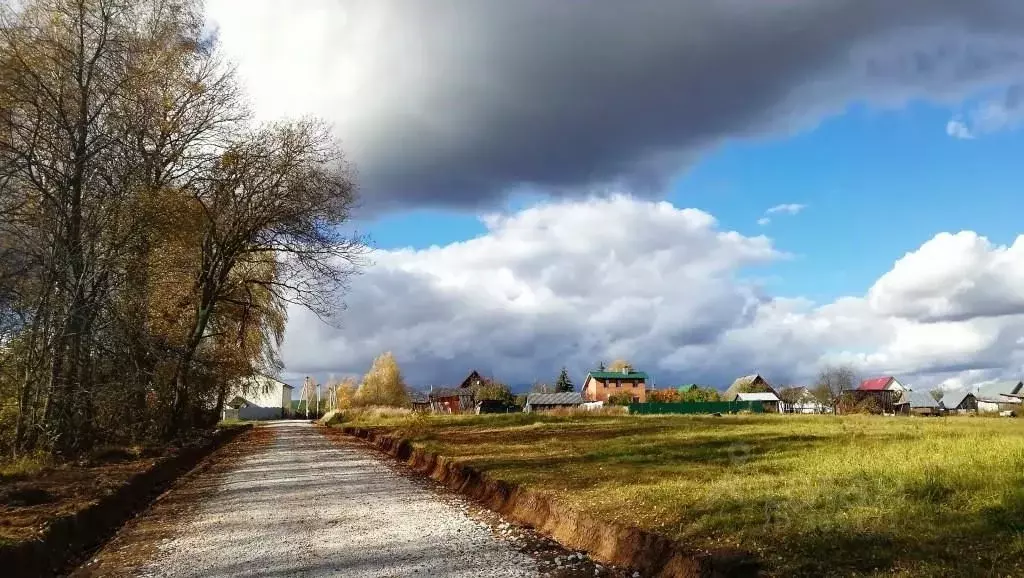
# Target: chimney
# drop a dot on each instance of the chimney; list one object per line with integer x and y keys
{"x": 625, "y": 369}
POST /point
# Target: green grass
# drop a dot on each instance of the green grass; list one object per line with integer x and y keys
{"x": 810, "y": 495}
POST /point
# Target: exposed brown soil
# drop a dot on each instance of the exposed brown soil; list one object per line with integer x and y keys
{"x": 49, "y": 520}
{"x": 62, "y": 490}
{"x": 137, "y": 542}
{"x": 650, "y": 553}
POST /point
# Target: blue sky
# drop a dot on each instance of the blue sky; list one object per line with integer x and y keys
{"x": 876, "y": 185}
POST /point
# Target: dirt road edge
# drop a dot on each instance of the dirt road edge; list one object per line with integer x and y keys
{"x": 651, "y": 553}
{"x": 68, "y": 537}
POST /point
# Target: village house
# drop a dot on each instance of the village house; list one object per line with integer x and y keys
{"x": 548, "y": 401}
{"x": 749, "y": 384}
{"x": 1000, "y": 396}
{"x": 886, "y": 390}
{"x": 801, "y": 400}
{"x": 599, "y": 385}
{"x": 259, "y": 397}
{"x": 459, "y": 399}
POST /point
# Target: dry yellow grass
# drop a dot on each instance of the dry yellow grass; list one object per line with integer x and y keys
{"x": 811, "y": 495}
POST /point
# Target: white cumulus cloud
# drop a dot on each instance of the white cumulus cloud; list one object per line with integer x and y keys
{"x": 574, "y": 282}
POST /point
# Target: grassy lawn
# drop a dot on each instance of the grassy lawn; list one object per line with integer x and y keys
{"x": 810, "y": 495}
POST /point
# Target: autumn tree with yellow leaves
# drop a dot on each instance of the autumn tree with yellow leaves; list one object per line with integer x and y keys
{"x": 151, "y": 233}
{"x": 383, "y": 385}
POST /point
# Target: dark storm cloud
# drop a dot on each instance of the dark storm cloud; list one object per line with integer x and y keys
{"x": 479, "y": 97}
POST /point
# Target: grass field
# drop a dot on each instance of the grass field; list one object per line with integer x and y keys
{"x": 810, "y": 495}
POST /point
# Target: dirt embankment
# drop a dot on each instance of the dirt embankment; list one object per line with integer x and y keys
{"x": 80, "y": 508}
{"x": 651, "y": 553}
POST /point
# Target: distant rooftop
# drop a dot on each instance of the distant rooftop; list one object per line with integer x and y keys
{"x": 563, "y": 398}
{"x": 618, "y": 375}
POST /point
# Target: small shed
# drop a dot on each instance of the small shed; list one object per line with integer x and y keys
{"x": 548, "y": 401}
{"x": 420, "y": 401}
{"x": 921, "y": 403}
{"x": 768, "y": 400}
{"x": 959, "y": 401}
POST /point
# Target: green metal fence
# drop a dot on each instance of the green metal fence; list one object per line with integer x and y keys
{"x": 707, "y": 407}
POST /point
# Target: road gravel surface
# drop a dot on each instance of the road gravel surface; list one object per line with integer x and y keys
{"x": 300, "y": 504}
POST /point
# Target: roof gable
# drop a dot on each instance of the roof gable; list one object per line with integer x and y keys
{"x": 953, "y": 399}
{"x": 473, "y": 376}
{"x": 748, "y": 381}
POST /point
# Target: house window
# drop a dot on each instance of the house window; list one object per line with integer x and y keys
{"x": 636, "y": 399}
{"x": 618, "y": 383}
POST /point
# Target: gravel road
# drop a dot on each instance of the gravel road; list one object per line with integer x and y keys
{"x": 304, "y": 506}
{"x": 288, "y": 501}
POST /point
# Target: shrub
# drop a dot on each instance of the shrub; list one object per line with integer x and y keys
{"x": 622, "y": 398}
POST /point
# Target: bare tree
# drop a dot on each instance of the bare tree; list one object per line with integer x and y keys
{"x": 832, "y": 381}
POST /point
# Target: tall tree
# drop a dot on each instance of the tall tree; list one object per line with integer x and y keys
{"x": 151, "y": 235}
{"x": 383, "y": 384}
{"x": 563, "y": 383}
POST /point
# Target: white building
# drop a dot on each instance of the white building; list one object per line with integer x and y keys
{"x": 259, "y": 397}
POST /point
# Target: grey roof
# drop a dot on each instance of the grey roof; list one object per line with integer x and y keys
{"x": 418, "y": 397}
{"x": 921, "y": 399}
{"x": 994, "y": 390}
{"x": 450, "y": 392}
{"x": 564, "y": 398}
{"x": 953, "y": 399}
{"x": 730, "y": 394}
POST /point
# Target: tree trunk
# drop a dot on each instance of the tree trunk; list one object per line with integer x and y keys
{"x": 180, "y": 418}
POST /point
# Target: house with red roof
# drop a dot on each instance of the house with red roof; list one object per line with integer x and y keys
{"x": 887, "y": 391}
